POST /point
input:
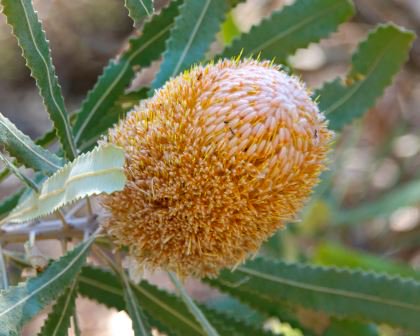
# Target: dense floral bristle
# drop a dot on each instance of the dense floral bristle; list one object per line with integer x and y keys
{"x": 216, "y": 161}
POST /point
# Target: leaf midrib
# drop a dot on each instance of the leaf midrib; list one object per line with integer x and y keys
{"x": 54, "y": 278}
{"x": 61, "y": 112}
{"x": 145, "y": 293}
{"x": 326, "y": 290}
{"x": 64, "y": 310}
{"x": 114, "y": 83}
{"x": 294, "y": 28}
{"x": 191, "y": 38}
{"x": 29, "y": 148}
{"x": 359, "y": 84}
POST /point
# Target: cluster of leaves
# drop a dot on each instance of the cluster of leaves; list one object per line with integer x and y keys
{"x": 353, "y": 301}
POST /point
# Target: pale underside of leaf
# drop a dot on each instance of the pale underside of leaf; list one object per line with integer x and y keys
{"x": 119, "y": 73}
{"x": 20, "y": 303}
{"x": 295, "y": 26}
{"x": 374, "y": 65}
{"x": 99, "y": 171}
{"x": 190, "y": 39}
{"x": 31, "y": 38}
{"x": 25, "y": 150}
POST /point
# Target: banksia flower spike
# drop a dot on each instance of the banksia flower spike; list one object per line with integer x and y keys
{"x": 216, "y": 162}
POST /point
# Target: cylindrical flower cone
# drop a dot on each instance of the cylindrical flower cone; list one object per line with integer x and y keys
{"x": 216, "y": 162}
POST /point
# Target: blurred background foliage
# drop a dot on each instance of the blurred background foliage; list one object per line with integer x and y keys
{"x": 364, "y": 214}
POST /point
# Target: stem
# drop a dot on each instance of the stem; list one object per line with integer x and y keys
{"x": 89, "y": 207}
{"x": 76, "y": 323}
{"x": 3, "y": 270}
{"x": 61, "y": 217}
{"x": 54, "y": 229}
{"x": 193, "y": 308}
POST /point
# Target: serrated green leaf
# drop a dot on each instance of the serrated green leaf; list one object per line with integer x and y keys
{"x": 58, "y": 321}
{"x": 99, "y": 171}
{"x": 263, "y": 304}
{"x": 31, "y": 38}
{"x": 138, "y": 318}
{"x": 25, "y": 150}
{"x": 406, "y": 195}
{"x": 190, "y": 38}
{"x": 25, "y": 180}
{"x": 119, "y": 73}
{"x": 168, "y": 312}
{"x": 139, "y": 9}
{"x": 374, "y": 65}
{"x": 292, "y": 28}
{"x": 8, "y": 203}
{"x": 350, "y": 294}
{"x": 193, "y": 308}
{"x": 332, "y": 254}
{"x": 124, "y": 104}
{"x": 20, "y": 303}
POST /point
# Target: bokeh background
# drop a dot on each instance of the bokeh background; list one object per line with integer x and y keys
{"x": 369, "y": 200}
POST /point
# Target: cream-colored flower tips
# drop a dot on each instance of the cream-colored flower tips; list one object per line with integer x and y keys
{"x": 217, "y": 160}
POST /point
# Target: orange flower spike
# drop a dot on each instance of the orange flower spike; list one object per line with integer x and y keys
{"x": 217, "y": 161}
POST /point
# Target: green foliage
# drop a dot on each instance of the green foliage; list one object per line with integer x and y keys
{"x": 139, "y": 9}
{"x": 405, "y": 195}
{"x": 352, "y": 294}
{"x": 119, "y": 73}
{"x": 293, "y": 27}
{"x": 139, "y": 320}
{"x": 374, "y": 64}
{"x": 28, "y": 30}
{"x": 190, "y": 39}
{"x": 25, "y": 150}
{"x": 20, "y": 303}
{"x": 350, "y": 328}
{"x": 181, "y": 36}
{"x": 167, "y": 312}
{"x": 58, "y": 321}
{"x": 9, "y": 202}
{"x": 18, "y": 173}
{"x": 92, "y": 173}
{"x": 335, "y": 255}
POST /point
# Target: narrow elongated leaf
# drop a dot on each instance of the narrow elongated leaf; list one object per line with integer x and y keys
{"x": 195, "y": 28}
{"x": 25, "y": 180}
{"x": 124, "y": 104}
{"x": 8, "y": 203}
{"x": 406, "y": 195}
{"x": 335, "y": 255}
{"x": 58, "y": 321}
{"x": 20, "y": 303}
{"x": 138, "y": 318}
{"x": 119, "y": 73}
{"x": 31, "y": 38}
{"x": 293, "y": 27}
{"x": 139, "y": 9}
{"x": 99, "y": 171}
{"x": 193, "y": 308}
{"x": 350, "y": 294}
{"x": 263, "y": 304}
{"x": 168, "y": 312}
{"x": 25, "y": 150}
{"x": 374, "y": 65}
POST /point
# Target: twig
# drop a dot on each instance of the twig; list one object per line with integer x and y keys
{"x": 198, "y": 314}
{"x": 3, "y": 270}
